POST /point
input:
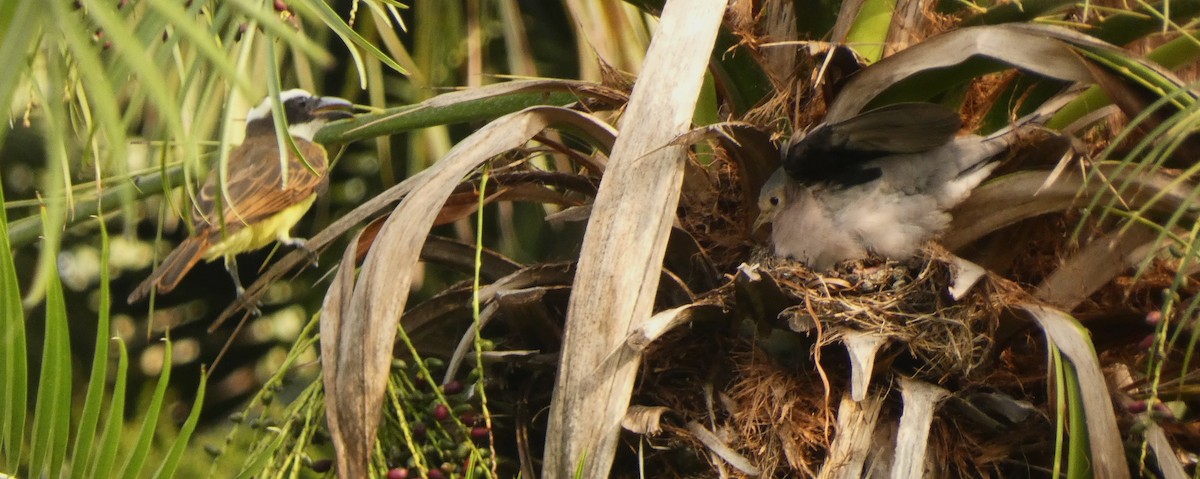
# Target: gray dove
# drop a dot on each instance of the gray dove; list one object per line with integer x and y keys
{"x": 880, "y": 182}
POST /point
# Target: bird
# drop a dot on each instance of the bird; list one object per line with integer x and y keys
{"x": 880, "y": 182}
{"x": 258, "y": 207}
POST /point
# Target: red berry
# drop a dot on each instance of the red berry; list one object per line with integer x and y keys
{"x": 479, "y": 433}
{"x": 1153, "y": 318}
{"x": 1147, "y": 342}
{"x": 281, "y": 6}
{"x": 397, "y": 473}
{"x": 468, "y": 418}
{"x": 441, "y": 412}
{"x": 452, "y": 387}
{"x": 436, "y": 474}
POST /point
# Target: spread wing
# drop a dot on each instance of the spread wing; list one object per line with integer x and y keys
{"x": 836, "y": 152}
{"x": 255, "y": 190}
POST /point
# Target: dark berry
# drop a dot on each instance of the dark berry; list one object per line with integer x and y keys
{"x": 479, "y": 433}
{"x": 281, "y": 6}
{"x": 323, "y": 465}
{"x": 397, "y": 473}
{"x": 1135, "y": 407}
{"x": 468, "y": 418}
{"x": 452, "y": 387}
{"x": 441, "y": 412}
{"x": 436, "y": 474}
{"x": 419, "y": 431}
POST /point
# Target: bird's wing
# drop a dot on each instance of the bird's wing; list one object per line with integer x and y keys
{"x": 899, "y": 128}
{"x": 255, "y": 190}
{"x": 837, "y": 153}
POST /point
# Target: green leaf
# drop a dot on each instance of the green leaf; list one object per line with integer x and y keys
{"x": 1078, "y": 450}
{"x": 285, "y": 142}
{"x": 203, "y": 42}
{"x": 869, "y": 31}
{"x": 260, "y": 458}
{"x": 348, "y": 35}
{"x": 52, "y": 417}
{"x": 20, "y": 22}
{"x": 137, "y": 456}
{"x": 13, "y": 364}
{"x": 449, "y": 108}
{"x": 171, "y": 462}
{"x": 270, "y": 23}
{"x": 25, "y": 230}
{"x": 85, "y": 433}
{"x": 132, "y": 52}
{"x": 102, "y": 466}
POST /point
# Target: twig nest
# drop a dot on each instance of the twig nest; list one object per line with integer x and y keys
{"x": 907, "y": 302}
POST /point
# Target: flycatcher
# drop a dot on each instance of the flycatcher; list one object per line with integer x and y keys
{"x": 259, "y": 207}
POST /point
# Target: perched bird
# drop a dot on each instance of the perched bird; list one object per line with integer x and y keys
{"x": 259, "y": 207}
{"x": 880, "y": 182}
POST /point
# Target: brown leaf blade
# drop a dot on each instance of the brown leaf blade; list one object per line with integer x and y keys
{"x": 1039, "y": 49}
{"x": 358, "y": 356}
{"x": 625, "y": 243}
{"x": 1107, "y": 453}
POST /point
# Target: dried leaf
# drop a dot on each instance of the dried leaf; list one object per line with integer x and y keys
{"x": 965, "y": 275}
{"x": 369, "y": 319}
{"x": 855, "y": 437}
{"x": 1100, "y": 262}
{"x": 862, "y": 347}
{"x": 1164, "y": 454}
{"x": 722, "y": 450}
{"x": 1107, "y": 453}
{"x": 920, "y": 400}
{"x": 1011, "y": 198}
{"x": 644, "y": 420}
{"x": 1037, "y": 49}
{"x": 621, "y": 260}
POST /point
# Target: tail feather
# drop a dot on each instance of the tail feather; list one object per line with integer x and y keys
{"x": 172, "y": 269}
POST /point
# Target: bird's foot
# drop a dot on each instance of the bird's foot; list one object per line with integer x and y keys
{"x": 254, "y": 308}
{"x": 302, "y": 243}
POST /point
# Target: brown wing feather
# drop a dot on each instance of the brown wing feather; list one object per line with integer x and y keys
{"x": 255, "y": 192}
{"x": 172, "y": 269}
{"x": 254, "y": 195}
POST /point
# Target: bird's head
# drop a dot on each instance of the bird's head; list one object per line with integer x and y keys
{"x": 306, "y": 114}
{"x": 772, "y": 195}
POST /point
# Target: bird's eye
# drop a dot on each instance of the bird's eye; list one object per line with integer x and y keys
{"x": 774, "y": 201}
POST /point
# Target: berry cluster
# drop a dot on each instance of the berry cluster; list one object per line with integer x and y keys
{"x": 445, "y": 434}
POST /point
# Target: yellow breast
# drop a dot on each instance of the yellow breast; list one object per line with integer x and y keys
{"x": 260, "y": 234}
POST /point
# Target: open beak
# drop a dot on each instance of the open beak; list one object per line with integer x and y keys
{"x": 334, "y": 108}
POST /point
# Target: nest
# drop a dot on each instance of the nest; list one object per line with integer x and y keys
{"x": 908, "y": 303}
{"x": 778, "y": 408}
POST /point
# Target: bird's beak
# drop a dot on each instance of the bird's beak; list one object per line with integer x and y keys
{"x": 763, "y": 219}
{"x": 334, "y": 108}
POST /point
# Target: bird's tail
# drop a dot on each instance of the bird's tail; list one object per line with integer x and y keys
{"x": 994, "y": 146}
{"x": 172, "y": 269}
